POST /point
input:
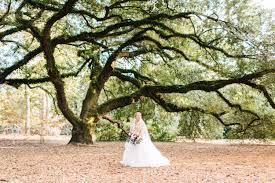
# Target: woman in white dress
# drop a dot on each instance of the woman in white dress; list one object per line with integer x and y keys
{"x": 143, "y": 154}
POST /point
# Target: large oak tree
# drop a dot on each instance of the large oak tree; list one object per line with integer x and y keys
{"x": 101, "y": 36}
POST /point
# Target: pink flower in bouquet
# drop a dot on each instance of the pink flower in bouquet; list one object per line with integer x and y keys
{"x": 134, "y": 138}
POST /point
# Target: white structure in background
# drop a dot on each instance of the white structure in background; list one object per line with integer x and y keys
{"x": 14, "y": 129}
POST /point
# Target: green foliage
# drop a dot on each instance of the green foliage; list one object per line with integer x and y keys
{"x": 106, "y": 131}
{"x": 197, "y": 125}
{"x": 159, "y": 132}
{"x": 262, "y": 129}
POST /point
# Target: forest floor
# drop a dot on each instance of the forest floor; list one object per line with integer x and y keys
{"x": 26, "y": 161}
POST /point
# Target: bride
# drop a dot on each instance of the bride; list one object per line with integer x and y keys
{"x": 143, "y": 154}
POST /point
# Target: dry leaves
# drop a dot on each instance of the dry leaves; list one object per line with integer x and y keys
{"x": 190, "y": 162}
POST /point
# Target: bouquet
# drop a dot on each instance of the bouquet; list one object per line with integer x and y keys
{"x": 134, "y": 138}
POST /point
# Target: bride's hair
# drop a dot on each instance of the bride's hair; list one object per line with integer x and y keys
{"x": 137, "y": 113}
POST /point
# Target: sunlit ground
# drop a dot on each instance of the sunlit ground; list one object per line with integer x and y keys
{"x": 27, "y": 160}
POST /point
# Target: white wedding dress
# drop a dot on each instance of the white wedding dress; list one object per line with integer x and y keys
{"x": 144, "y": 154}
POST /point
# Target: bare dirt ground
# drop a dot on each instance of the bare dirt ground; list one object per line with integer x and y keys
{"x": 26, "y": 161}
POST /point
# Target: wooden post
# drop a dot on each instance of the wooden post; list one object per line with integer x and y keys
{"x": 28, "y": 112}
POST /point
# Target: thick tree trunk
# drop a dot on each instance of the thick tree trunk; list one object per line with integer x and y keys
{"x": 84, "y": 133}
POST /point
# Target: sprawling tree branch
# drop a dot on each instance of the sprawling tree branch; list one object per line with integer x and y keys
{"x": 16, "y": 82}
{"x": 152, "y": 92}
{"x": 11, "y": 31}
{"x": 91, "y": 36}
{"x": 239, "y": 107}
{"x": 74, "y": 10}
{"x": 136, "y": 74}
{"x": 95, "y": 87}
{"x": 53, "y": 72}
{"x": 262, "y": 89}
{"x": 126, "y": 78}
{"x": 19, "y": 64}
{"x": 170, "y": 107}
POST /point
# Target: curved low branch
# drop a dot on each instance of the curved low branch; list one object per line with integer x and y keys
{"x": 170, "y": 107}
{"x": 118, "y": 102}
{"x": 150, "y": 91}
